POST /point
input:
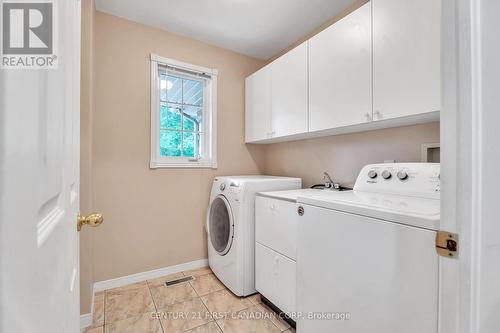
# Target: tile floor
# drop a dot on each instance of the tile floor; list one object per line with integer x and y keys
{"x": 202, "y": 305}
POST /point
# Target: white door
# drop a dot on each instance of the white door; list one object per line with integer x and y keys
{"x": 258, "y": 105}
{"x": 406, "y": 57}
{"x": 39, "y": 171}
{"x": 340, "y": 72}
{"x": 289, "y": 93}
{"x": 379, "y": 277}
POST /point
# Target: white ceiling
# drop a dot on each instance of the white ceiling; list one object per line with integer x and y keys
{"x": 258, "y": 28}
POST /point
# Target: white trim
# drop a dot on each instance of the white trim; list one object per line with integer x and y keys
{"x": 85, "y": 321}
{"x": 184, "y": 65}
{"x": 461, "y": 167}
{"x": 209, "y": 117}
{"x": 476, "y": 154}
{"x": 156, "y": 273}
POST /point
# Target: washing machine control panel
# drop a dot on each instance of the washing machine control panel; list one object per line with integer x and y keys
{"x": 234, "y": 187}
{"x": 416, "y": 179}
{"x": 229, "y": 188}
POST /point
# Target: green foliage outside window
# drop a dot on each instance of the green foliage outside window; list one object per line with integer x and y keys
{"x": 171, "y": 136}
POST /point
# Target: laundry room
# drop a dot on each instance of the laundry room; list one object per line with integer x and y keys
{"x": 155, "y": 214}
{"x": 250, "y": 166}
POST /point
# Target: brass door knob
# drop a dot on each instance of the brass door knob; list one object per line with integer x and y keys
{"x": 93, "y": 220}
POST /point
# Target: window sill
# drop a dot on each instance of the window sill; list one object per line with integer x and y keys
{"x": 182, "y": 165}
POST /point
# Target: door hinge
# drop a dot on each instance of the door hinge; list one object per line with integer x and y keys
{"x": 447, "y": 244}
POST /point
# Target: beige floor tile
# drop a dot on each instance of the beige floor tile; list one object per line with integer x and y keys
{"x": 161, "y": 281}
{"x": 255, "y": 299}
{"x": 206, "y": 284}
{"x": 211, "y": 327}
{"x": 164, "y": 296}
{"x": 250, "y": 320}
{"x": 275, "y": 318}
{"x": 98, "y": 314}
{"x": 291, "y": 330}
{"x": 99, "y": 296}
{"x": 223, "y": 301}
{"x": 128, "y": 303}
{"x": 144, "y": 323}
{"x": 99, "y": 329}
{"x": 180, "y": 317}
{"x": 126, "y": 289}
{"x": 198, "y": 271}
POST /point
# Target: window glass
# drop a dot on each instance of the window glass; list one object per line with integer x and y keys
{"x": 170, "y": 143}
{"x": 181, "y": 115}
{"x": 193, "y": 117}
{"x": 170, "y": 116}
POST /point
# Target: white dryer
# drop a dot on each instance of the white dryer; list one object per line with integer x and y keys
{"x": 230, "y": 226}
{"x": 366, "y": 259}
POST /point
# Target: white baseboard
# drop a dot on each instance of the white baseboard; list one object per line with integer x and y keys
{"x": 124, "y": 280}
{"x": 85, "y": 321}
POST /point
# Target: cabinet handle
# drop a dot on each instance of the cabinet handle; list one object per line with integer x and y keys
{"x": 378, "y": 114}
{"x": 368, "y": 117}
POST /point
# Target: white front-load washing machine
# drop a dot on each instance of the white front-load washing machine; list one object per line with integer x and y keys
{"x": 230, "y": 226}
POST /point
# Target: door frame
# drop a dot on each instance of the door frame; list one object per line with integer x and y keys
{"x": 463, "y": 308}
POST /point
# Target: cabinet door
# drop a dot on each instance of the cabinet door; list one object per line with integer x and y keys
{"x": 289, "y": 92}
{"x": 340, "y": 84}
{"x": 406, "y": 57}
{"x": 258, "y": 105}
{"x": 275, "y": 278}
{"x": 276, "y": 225}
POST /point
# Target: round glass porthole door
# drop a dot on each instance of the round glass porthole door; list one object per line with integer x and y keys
{"x": 220, "y": 225}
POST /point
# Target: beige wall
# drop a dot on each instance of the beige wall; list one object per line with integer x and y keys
{"x": 152, "y": 218}
{"x": 343, "y": 156}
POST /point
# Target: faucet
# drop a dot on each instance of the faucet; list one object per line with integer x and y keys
{"x": 329, "y": 183}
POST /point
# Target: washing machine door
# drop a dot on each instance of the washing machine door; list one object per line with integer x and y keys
{"x": 220, "y": 225}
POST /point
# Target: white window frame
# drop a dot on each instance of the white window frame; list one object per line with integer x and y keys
{"x": 209, "y": 160}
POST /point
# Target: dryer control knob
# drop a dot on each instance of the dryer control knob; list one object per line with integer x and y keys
{"x": 372, "y": 174}
{"x": 402, "y": 175}
{"x": 386, "y": 174}
{"x": 222, "y": 186}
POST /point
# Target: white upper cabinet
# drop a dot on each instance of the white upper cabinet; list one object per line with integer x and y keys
{"x": 406, "y": 57}
{"x": 289, "y": 93}
{"x": 340, "y": 72}
{"x": 380, "y": 62}
{"x": 258, "y": 105}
